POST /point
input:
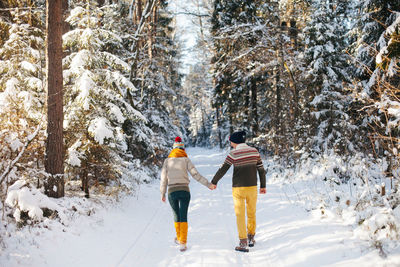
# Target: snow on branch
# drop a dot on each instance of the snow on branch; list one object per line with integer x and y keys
{"x": 148, "y": 10}
{"x": 12, "y": 164}
{"x": 191, "y": 14}
{"x": 21, "y": 8}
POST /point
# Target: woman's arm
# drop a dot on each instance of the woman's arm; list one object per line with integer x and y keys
{"x": 164, "y": 179}
{"x": 196, "y": 175}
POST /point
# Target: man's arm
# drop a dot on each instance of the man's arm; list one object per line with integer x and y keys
{"x": 224, "y": 168}
{"x": 262, "y": 173}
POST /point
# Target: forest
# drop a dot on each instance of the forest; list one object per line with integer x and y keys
{"x": 314, "y": 83}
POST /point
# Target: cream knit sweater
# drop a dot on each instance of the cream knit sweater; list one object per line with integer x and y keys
{"x": 174, "y": 173}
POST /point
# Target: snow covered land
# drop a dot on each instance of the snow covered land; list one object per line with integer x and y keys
{"x": 138, "y": 230}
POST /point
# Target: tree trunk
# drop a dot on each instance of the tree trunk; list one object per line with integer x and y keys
{"x": 247, "y": 117}
{"x": 278, "y": 100}
{"x": 230, "y": 115}
{"x": 85, "y": 181}
{"x": 54, "y": 186}
{"x": 278, "y": 127}
{"x": 200, "y": 22}
{"x": 138, "y": 11}
{"x": 218, "y": 126}
{"x": 150, "y": 39}
{"x": 254, "y": 113}
{"x": 154, "y": 28}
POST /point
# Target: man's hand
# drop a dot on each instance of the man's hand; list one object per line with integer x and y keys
{"x": 163, "y": 199}
{"x": 212, "y": 186}
{"x": 263, "y": 190}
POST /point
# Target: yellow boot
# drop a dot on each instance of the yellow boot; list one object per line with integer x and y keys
{"x": 178, "y": 232}
{"x": 183, "y": 236}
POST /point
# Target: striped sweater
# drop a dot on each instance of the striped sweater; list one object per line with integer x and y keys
{"x": 246, "y": 163}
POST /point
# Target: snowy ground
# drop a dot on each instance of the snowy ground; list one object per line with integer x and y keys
{"x": 139, "y": 232}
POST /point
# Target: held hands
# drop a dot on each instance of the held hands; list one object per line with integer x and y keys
{"x": 263, "y": 190}
{"x": 212, "y": 186}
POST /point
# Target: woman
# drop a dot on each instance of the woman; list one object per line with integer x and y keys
{"x": 174, "y": 174}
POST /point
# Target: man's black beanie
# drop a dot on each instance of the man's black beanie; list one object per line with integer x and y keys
{"x": 238, "y": 137}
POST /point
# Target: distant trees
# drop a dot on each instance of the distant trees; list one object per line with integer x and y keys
{"x": 238, "y": 52}
{"x": 154, "y": 63}
{"x": 197, "y": 90}
{"x": 252, "y": 54}
{"x": 301, "y": 79}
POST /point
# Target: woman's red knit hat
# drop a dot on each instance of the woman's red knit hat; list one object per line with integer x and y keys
{"x": 178, "y": 143}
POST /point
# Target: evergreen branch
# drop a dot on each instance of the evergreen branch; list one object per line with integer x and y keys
{"x": 12, "y": 164}
{"x": 191, "y": 14}
{"x": 21, "y": 8}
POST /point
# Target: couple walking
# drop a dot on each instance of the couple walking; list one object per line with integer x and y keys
{"x": 246, "y": 162}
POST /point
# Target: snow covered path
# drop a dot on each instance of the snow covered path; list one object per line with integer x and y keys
{"x": 139, "y": 232}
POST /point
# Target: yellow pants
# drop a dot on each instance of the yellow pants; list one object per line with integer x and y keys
{"x": 245, "y": 198}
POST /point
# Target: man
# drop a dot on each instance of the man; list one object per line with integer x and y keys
{"x": 246, "y": 163}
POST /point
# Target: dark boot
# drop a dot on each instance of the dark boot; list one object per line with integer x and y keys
{"x": 251, "y": 240}
{"x": 242, "y": 246}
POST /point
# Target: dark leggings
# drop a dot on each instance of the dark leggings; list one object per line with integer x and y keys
{"x": 179, "y": 201}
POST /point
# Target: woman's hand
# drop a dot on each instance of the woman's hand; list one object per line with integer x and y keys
{"x": 263, "y": 190}
{"x": 163, "y": 199}
{"x": 212, "y": 186}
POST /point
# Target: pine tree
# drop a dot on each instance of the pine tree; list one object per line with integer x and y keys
{"x": 374, "y": 17}
{"x": 22, "y": 91}
{"x": 99, "y": 118}
{"x": 327, "y": 77}
{"x": 375, "y": 73}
